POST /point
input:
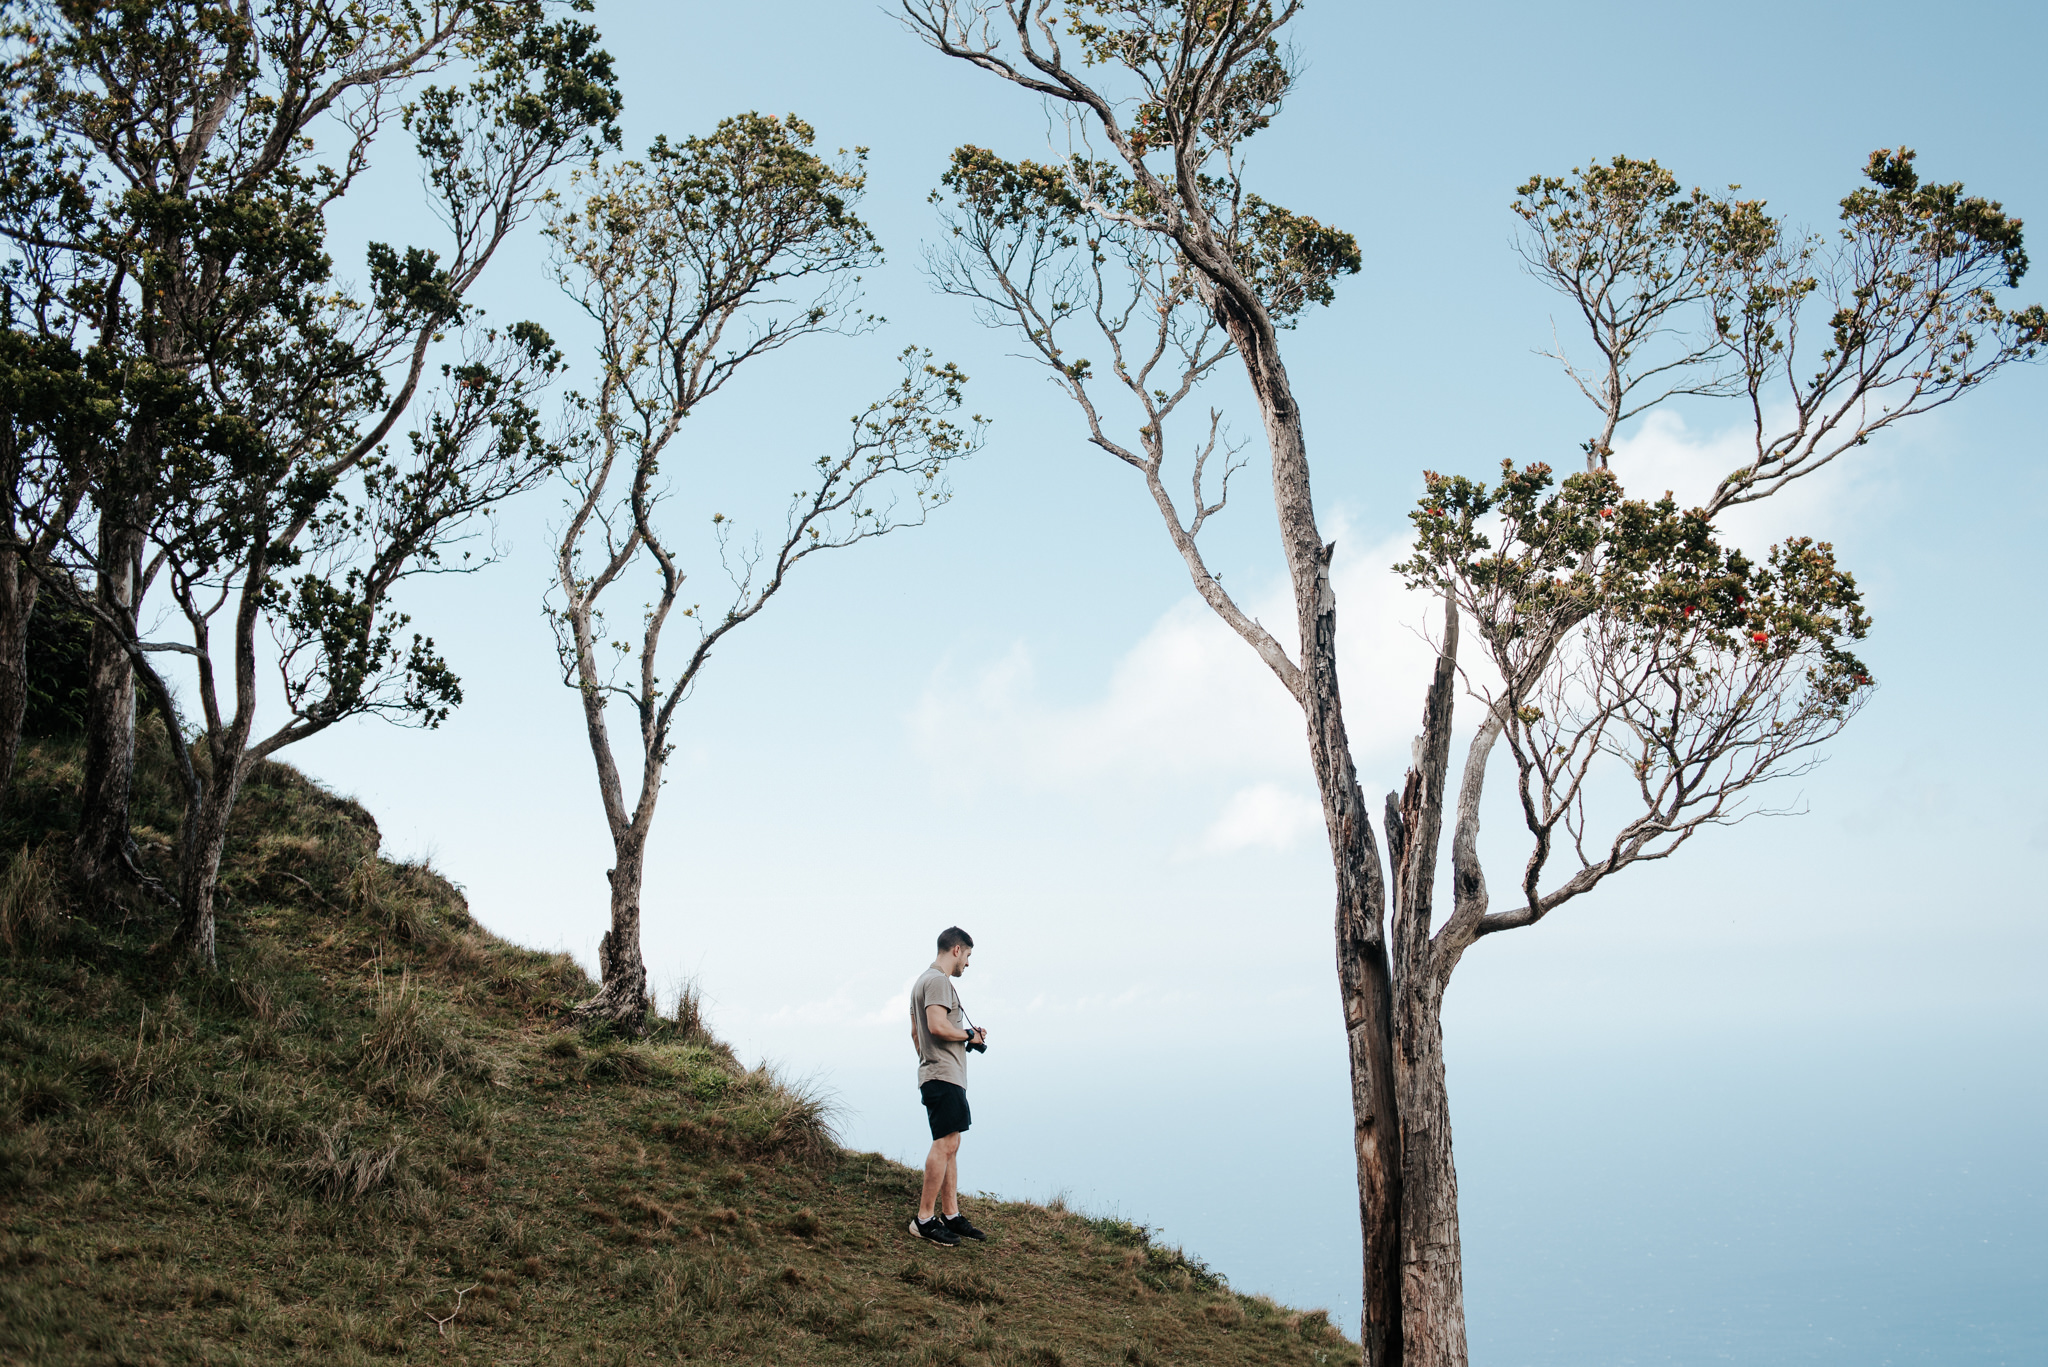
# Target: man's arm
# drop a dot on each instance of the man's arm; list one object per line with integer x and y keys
{"x": 940, "y": 1024}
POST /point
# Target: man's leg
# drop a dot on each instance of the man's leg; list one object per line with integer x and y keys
{"x": 939, "y": 1175}
{"x": 949, "y": 1189}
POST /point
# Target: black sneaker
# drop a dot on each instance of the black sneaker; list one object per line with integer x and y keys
{"x": 935, "y": 1231}
{"x": 961, "y": 1229}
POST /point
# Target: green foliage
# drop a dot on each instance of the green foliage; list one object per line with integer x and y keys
{"x": 1656, "y": 574}
{"x": 1011, "y": 212}
{"x": 1290, "y": 259}
{"x": 1690, "y": 293}
{"x": 58, "y": 659}
{"x": 1162, "y": 43}
{"x": 1624, "y": 631}
{"x": 193, "y": 378}
{"x": 667, "y": 250}
{"x": 1940, "y": 221}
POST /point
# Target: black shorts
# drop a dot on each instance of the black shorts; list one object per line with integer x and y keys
{"x": 945, "y": 1103}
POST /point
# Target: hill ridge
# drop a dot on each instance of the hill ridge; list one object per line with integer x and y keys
{"x": 373, "y": 1138}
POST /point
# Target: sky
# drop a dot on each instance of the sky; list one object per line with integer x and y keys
{"x": 1779, "y": 1099}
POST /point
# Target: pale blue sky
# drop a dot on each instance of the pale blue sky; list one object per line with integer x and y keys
{"x": 1017, "y": 719}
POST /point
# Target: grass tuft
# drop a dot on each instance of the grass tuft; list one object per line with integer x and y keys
{"x": 29, "y": 908}
{"x": 409, "y": 1037}
{"x": 341, "y": 1169}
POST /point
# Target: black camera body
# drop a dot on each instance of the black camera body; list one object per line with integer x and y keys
{"x": 977, "y": 1046}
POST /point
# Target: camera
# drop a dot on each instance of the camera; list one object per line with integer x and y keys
{"x": 977, "y": 1046}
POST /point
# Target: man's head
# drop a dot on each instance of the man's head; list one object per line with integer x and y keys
{"x": 956, "y": 947}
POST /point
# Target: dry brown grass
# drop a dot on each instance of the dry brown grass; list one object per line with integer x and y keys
{"x": 29, "y": 901}
{"x": 410, "y": 1036}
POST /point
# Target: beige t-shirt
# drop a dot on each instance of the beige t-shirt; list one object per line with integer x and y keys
{"x": 941, "y": 1060}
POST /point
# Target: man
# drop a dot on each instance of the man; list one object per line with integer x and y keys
{"x": 939, "y": 1032}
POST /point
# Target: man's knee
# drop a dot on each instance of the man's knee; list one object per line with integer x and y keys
{"x": 947, "y": 1145}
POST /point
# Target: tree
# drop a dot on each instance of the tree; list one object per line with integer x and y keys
{"x": 170, "y": 208}
{"x": 1623, "y": 633}
{"x": 163, "y": 200}
{"x": 694, "y": 262}
{"x": 1640, "y": 670}
{"x": 1207, "y": 75}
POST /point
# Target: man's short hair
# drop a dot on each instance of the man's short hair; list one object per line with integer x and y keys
{"x": 952, "y": 936}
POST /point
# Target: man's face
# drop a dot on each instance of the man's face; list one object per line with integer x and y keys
{"x": 956, "y": 959}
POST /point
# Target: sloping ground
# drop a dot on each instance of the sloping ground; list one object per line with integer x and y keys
{"x": 371, "y": 1139}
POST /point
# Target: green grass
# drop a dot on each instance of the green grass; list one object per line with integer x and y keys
{"x": 371, "y": 1138}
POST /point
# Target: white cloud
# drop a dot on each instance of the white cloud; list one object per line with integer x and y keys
{"x": 1190, "y": 700}
{"x": 1187, "y": 697}
{"x": 1665, "y": 453}
{"x": 1264, "y": 815}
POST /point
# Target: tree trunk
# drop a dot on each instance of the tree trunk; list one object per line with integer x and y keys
{"x": 208, "y": 806}
{"x": 1375, "y": 1128}
{"x": 623, "y": 998}
{"x": 99, "y": 851}
{"x": 1363, "y": 968}
{"x": 1432, "y": 1270}
{"x": 1365, "y": 984}
{"x": 1432, "y": 1281}
{"x": 17, "y": 604}
{"x": 205, "y": 836}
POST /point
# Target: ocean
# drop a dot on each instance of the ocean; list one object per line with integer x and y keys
{"x": 1773, "y": 1197}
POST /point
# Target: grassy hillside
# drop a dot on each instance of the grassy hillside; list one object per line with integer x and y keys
{"x": 372, "y": 1139}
